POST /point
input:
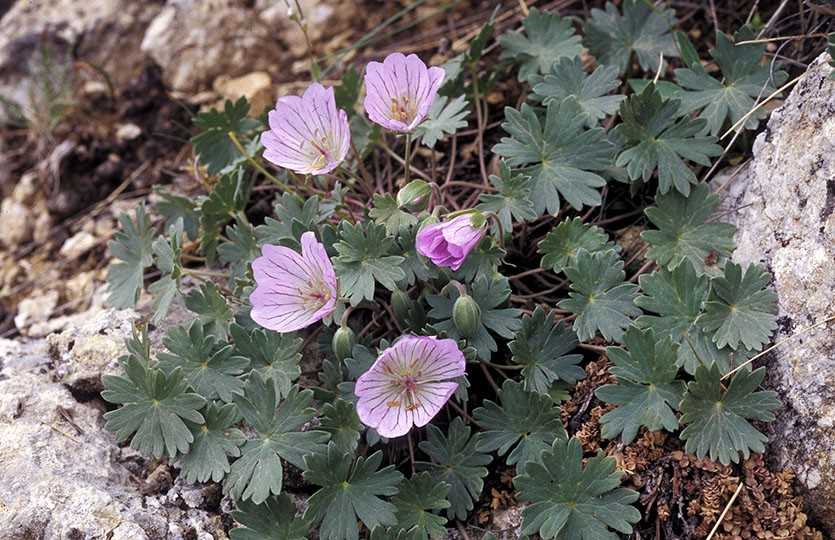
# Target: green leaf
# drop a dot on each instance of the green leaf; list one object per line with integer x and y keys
{"x": 211, "y": 309}
{"x": 445, "y": 117}
{"x": 293, "y": 217}
{"x": 275, "y": 519}
{"x": 167, "y": 252}
{"x": 541, "y": 346}
{"x": 350, "y": 491}
{"x": 415, "y": 266}
{"x": 559, "y": 155}
{"x": 341, "y": 421}
{"x": 677, "y": 298}
{"x": 512, "y": 200}
{"x": 484, "y": 260}
{"x": 154, "y": 408}
{"x": 716, "y": 419}
{"x": 240, "y": 248}
{"x": 174, "y": 207}
{"x": 600, "y": 298}
{"x": 573, "y": 502}
{"x": 654, "y": 141}
{"x": 210, "y": 365}
{"x": 732, "y": 96}
{"x": 417, "y": 497}
{"x": 642, "y": 29}
{"x": 546, "y": 37}
{"x": 489, "y": 294}
{"x": 527, "y": 418}
{"x": 213, "y": 146}
{"x": 348, "y": 91}
{"x": 228, "y": 198}
{"x": 742, "y": 308}
{"x": 457, "y": 462}
{"x": 568, "y": 79}
{"x": 215, "y": 442}
{"x": 365, "y": 258}
{"x": 275, "y": 356}
{"x": 647, "y": 391}
{"x": 259, "y": 470}
{"x": 559, "y": 247}
{"x": 454, "y": 68}
{"x": 684, "y": 234}
{"x": 131, "y": 246}
{"x": 387, "y": 212}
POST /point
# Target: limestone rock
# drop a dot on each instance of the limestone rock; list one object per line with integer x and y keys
{"x": 783, "y": 203}
{"x": 36, "y": 308}
{"x": 256, "y": 87}
{"x": 92, "y": 30}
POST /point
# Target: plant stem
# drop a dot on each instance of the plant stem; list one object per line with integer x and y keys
{"x": 407, "y": 159}
{"x": 260, "y": 168}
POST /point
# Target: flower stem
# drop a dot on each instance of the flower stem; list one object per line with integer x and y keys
{"x": 407, "y": 159}
{"x": 260, "y": 168}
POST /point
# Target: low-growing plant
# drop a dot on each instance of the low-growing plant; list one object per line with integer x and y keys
{"x": 385, "y": 330}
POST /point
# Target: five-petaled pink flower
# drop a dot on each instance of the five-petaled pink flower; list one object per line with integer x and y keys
{"x": 448, "y": 243}
{"x": 293, "y": 290}
{"x": 408, "y": 384}
{"x": 400, "y": 90}
{"x": 307, "y": 134}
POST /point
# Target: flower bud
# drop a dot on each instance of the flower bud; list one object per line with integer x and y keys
{"x": 407, "y": 312}
{"x": 343, "y": 342}
{"x": 466, "y": 314}
{"x": 414, "y": 196}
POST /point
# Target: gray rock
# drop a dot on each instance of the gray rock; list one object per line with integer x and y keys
{"x": 782, "y": 202}
{"x": 64, "y": 476}
{"x": 92, "y": 30}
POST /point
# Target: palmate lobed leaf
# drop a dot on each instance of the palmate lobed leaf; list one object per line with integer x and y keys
{"x": 444, "y": 118}
{"x": 562, "y": 157}
{"x": 274, "y": 519}
{"x": 350, "y": 490}
{"x": 489, "y": 294}
{"x": 415, "y": 501}
{"x": 647, "y": 391}
{"x": 215, "y": 441}
{"x": 526, "y": 421}
{"x": 293, "y": 216}
{"x": 571, "y": 502}
{"x": 210, "y": 365}
{"x": 684, "y": 232}
{"x": 716, "y": 419}
{"x": 388, "y": 213}
{"x": 340, "y": 419}
{"x": 512, "y": 200}
{"x": 155, "y": 407}
{"x": 131, "y": 246}
{"x": 229, "y": 197}
{"x": 275, "y": 356}
{"x": 456, "y": 461}
{"x": 259, "y": 471}
{"x": 568, "y": 79}
{"x": 541, "y": 346}
{"x": 212, "y": 144}
{"x": 599, "y": 297}
{"x": 654, "y": 140}
{"x": 641, "y": 29}
{"x": 211, "y": 308}
{"x": 741, "y": 308}
{"x": 546, "y": 38}
{"x": 365, "y": 257}
{"x": 559, "y": 247}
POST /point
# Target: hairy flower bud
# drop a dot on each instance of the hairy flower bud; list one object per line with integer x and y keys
{"x": 466, "y": 314}
{"x": 414, "y": 196}
{"x": 343, "y": 342}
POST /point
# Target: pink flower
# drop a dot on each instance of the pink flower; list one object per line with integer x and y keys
{"x": 400, "y": 90}
{"x": 307, "y": 134}
{"x": 408, "y": 384}
{"x": 293, "y": 291}
{"x": 448, "y": 243}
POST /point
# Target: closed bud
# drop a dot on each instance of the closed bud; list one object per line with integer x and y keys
{"x": 414, "y": 196}
{"x": 343, "y": 342}
{"x": 401, "y": 304}
{"x": 466, "y": 314}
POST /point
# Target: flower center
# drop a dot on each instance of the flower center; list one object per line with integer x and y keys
{"x": 321, "y": 151}
{"x": 403, "y": 108}
{"x": 315, "y": 296}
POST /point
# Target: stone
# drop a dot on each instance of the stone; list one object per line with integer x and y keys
{"x": 783, "y": 204}
{"x": 77, "y": 245}
{"x": 128, "y": 132}
{"x": 256, "y": 87}
{"x": 70, "y": 30}
{"x": 36, "y": 308}
{"x": 15, "y": 223}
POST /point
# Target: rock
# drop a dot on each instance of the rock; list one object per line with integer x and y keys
{"x": 783, "y": 204}
{"x": 64, "y": 476}
{"x": 70, "y": 30}
{"x": 195, "y": 42}
{"x": 256, "y": 87}
{"x": 77, "y": 245}
{"x": 15, "y": 223}
{"x": 35, "y": 308}
{"x": 128, "y": 132}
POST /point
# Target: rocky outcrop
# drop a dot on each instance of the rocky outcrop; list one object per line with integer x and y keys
{"x": 783, "y": 203}
{"x": 63, "y": 475}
